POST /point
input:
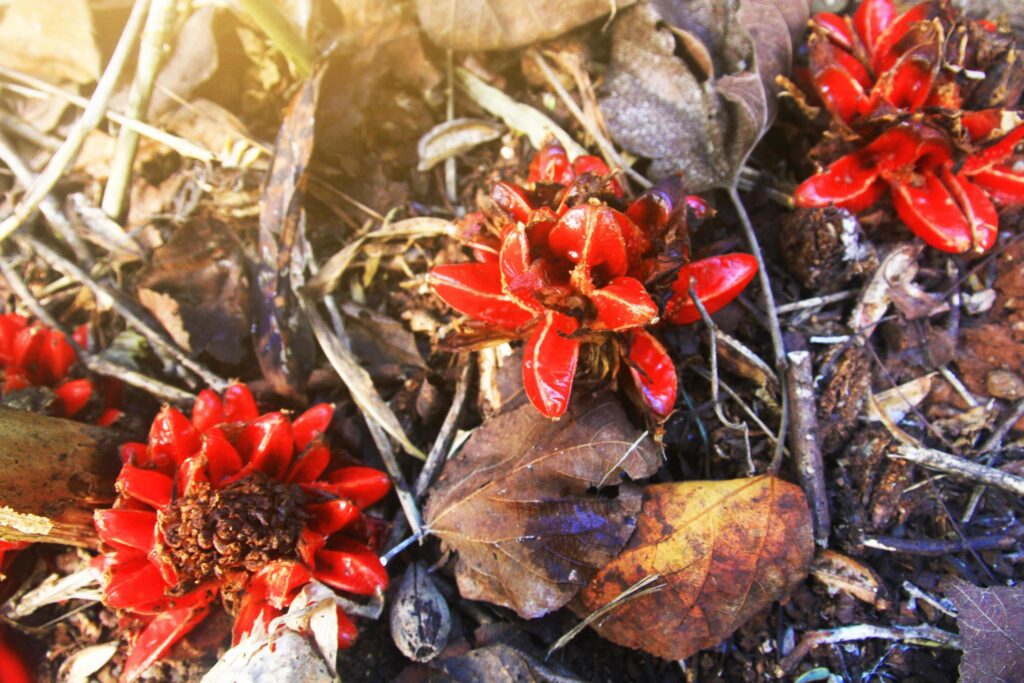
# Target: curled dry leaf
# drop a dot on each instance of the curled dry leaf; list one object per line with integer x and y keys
{"x": 517, "y": 503}
{"x": 420, "y": 620}
{"x": 452, "y": 138}
{"x": 991, "y": 622}
{"x": 504, "y": 24}
{"x": 898, "y": 266}
{"x": 701, "y": 114}
{"x": 842, "y": 573}
{"x": 726, "y": 549}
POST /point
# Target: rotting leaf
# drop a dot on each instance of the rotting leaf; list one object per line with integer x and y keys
{"x": 517, "y": 502}
{"x": 283, "y": 340}
{"x": 702, "y": 114}
{"x": 504, "y": 24}
{"x": 726, "y": 549}
{"x": 420, "y": 619}
{"x": 198, "y": 288}
{"x": 500, "y": 664}
{"x": 384, "y": 345}
{"x": 991, "y": 624}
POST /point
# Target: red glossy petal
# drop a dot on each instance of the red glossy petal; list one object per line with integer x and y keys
{"x": 653, "y": 372}
{"x": 590, "y": 235}
{"x": 872, "y": 19}
{"x": 310, "y": 543}
{"x": 207, "y": 411}
{"x": 587, "y": 163}
{"x": 74, "y": 395}
{"x": 133, "y": 585}
{"x": 518, "y": 276}
{"x": 849, "y": 182}
{"x": 192, "y": 473}
{"x": 549, "y": 364}
{"x": 512, "y": 200}
{"x": 149, "y": 486}
{"x": 839, "y": 78}
{"x": 160, "y": 634}
{"x": 332, "y": 516}
{"x": 279, "y": 581}
{"x": 623, "y": 304}
{"x": 833, "y": 27}
{"x": 352, "y": 567}
{"x": 347, "y": 631}
{"x": 253, "y": 608}
{"x": 907, "y": 84}
{"x": 995, "y": 154}
{"x": 14, "y": 670}
{"x": 172, "y": 438}
{"x": 883, "y": 53}
{"x": 130, "y": 528}
{"x": 58, "y": 356}
{"x": 312, "y": 424}
{"x": 108, "y": 417}
{"x": 239, "y": 404}
{"x": 1003, "y": 184}
{"x": 717, "y": 281}
{"x": 10, "y": 325}
{"x": 475, "y": 290}
{"x": 309, "y": 465}
{"x": 364, "y": 486}
{"x": 267, "y": 444}
{"x": 551, "y": 165}
{"x": 222, "y": 460}
{"x": 133, "y": 453}
{"x": 942, "y": 212}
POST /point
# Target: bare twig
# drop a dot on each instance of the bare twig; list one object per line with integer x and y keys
{"x": 961, "y": 467}
{"x": 90, "y": 118}
{"x": 816, "y": 301}
{"x": 713, "y": 341}
{"x": 451, "y": 178}
{"x": 778, "y": 345}
{"x": 443, "y": 441}
{"x": 71, "y": 270}
{"x": 925, "y": 635}
{"x": 803, "y": 440}
{"x": 995, "y": 439}
{"x": 26, "y": 131}
{"x": 151, "y": 54}
{"x": 405, "y": 497}
{"x": 929, "y": 547}
{"x": 48, "y": 206}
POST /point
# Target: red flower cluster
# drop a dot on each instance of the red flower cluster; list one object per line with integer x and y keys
{"x": 564, "y": 267}
{"x": 35, "y": 355}
{"x": 895, "y": 83}
{"x": 233, "y": 504}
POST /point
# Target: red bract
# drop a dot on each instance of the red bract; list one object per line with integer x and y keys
{"x": 565, "y": 267}
{"x": 892, "y": 87}
{"x": 236, "y": 505}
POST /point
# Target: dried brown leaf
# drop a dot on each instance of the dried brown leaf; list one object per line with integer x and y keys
{"x": 991, "y": 624}
{"x": 726, "y": 549}
{"x": 500, "y": 664}
{"x": 517, "y": 503}
{"x": 702, "y": 114}
{"x": 53, "y": 39}
{"x": 504, "y": 24}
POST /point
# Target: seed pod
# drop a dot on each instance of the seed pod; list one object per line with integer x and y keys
{"x": 420, "y": 620}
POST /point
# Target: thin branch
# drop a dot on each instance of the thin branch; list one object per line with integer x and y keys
{"x": 713, "y": 341}
{"x": 925, "y": 635}
{"x": 803, "y": 440}
{"x": 930, "y": 547}
{"x": 91, "y": 117}
{"x": 961, "y": 467}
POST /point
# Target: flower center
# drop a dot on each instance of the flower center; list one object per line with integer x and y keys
{"x": 239, "y": 527}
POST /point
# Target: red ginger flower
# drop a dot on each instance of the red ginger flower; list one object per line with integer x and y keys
{"x": 567, "y": 268}
{"x": 233, "y": 504}
{"x": 887, "y": 79}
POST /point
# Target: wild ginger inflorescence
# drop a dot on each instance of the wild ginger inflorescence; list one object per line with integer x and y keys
{"x": 923, "y": 105}
{"x": 565, "y": 261}
{"x": 236, "y": 505}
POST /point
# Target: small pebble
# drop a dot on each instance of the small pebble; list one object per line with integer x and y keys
{"x": 1004, "y": 384}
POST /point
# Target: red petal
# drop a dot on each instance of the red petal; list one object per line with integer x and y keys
{"x": 549, "y": 364}
{"x": 623, "y": 304}
{"x": 551, "y": 165}
{"x": 239, "y": 405}
{"x": 10, "y": 325}
{"x": 312, "y": 424}
{"x": 590, "y": 236}
{"x": 191, "y": 473}
{"x": 149, "y": 486}
{"x": 907, "y": 84}
{"x": 654, "y": 372}
{"x": 942, "y": 211}
{"x": 133, "y": 453}
{"x": 849, "y": 182}
{"x": 207, "y": 411}
{"x": 364, "y": 486}
{"x": 252, "y": 609}
{"x": 872, "y": 18}
{"x": 267, "y": 444}
{"x": 74, "y": 395}
{"x": 839, "y": 78}
{"x": 156, "y": 640}
{"x": 334, "y": 515}
{"x": 58, "y": 355}
{"x": 835, "y": 28}
{"x": 14, "y": 669}
{"x": 512, "y": 200}
{"x": 310, "y": 543}
{"x": 351, "y": 567}
{"x": 1002, "y": 183}
{"x": 994, "y": 154}
{"x": 347, "y": 631}
{"x": 133, "y": 585}
{"x": 588, "y": 163}
{"x": 172, "y": 438}
{"x": 475, "y": 290}
{"x": 309, "y": 465}
{"x": 279, "y": 581}
{"x": 130, "y": 528}
{"x": 717, "y": 281}
{"x": 883, "y": 54}
{"x": 222, "y": 460}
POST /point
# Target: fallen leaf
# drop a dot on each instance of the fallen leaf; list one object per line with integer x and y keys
{"x": 452, "y": 138}
{"x": 900, "y": 400}
{"x": 842, "y": 573}
{"x": 379, "y": 341}
{"x": 898, "y": 266}
{"x": 500, "y": 664}
{"x": 193, "y": 62}
{"x": 197, "y": 286}
{"x": 702, "y": 114}
{"x": 503, "y": 24}
{"x": 420, "y": 619}
{"x": 725, "y": 549}
{"x": 517, "y": 503}
{"x": 52, "y": 39}
{"x": 991, "y": 624}
{"x": 80, "y": 666}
